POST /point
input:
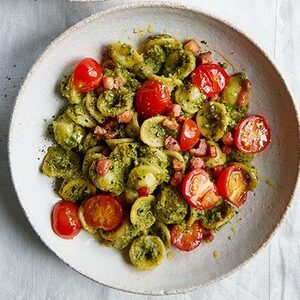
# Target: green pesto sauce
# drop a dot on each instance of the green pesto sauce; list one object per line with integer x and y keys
{"x": 216, "y": 217}
{"x": 67, "y": 133}
{"x": 171, "y": 207}
{"x": 76, "y": 189}
{"x": 189, "y": 98}
{"x": 238, "y": 156}
{"x": 213, "y": 117}
{"x": 236, "y": 114}
{"x": 59, "y": 162}
{"x": 114, "y": 102}
{"x": 148, "y": 250}
{"x": 123, "y": 235}
{"x": 161, "y": 230}
{"x": 68, "y": 90}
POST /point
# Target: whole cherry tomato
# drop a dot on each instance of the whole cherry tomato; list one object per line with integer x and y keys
{"x": 211, "y": 79}
{"x": 152, "y": 98}
{"x": 189, "y": 135}
{"x": 65, "y": 220}
{"x": 252, "y": 134}
{"x": 185, "y": 237}
{"x": 87, "y": 75}
{"x": 102, "y": 211}
{"x": 233, "y": 185}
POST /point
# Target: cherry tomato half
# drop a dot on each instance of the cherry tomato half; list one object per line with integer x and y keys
{"x": 252, "y": 134}
{"x": 187, "y": 238}
{"x": 65, "y": 220}
{"x": 233, "y": 185}
{"x": 195, "y": 185}
{"x": 102, "y": 211}
{"x": 189, "y": 135}
{"x": 87, "y": 75}
{"x": 152, "y": 98}
{"x": 210, "y": 199}
{"x": 211, "y": 79}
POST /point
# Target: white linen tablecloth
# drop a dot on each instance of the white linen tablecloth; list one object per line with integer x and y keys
{"x": 28, "y": 270}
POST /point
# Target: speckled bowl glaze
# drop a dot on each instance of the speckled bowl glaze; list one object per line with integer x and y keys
{"x": 257, "y": 219}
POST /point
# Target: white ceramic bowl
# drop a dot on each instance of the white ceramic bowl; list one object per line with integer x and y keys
{"x": 259, "y": 217}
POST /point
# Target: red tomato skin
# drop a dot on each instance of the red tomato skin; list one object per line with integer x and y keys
{"x": 211, "y": 79}
{"x": 102, "y": 204}
{"x": 187, "y": 241}
{"x": 87, "y": 75}
{"x": 222, "y": 181}
{"x": 203, "y": 82}
{"x": 65, "y": 220}
{"x": 217, "y": 170}
{"x": 152, "y": 98}
{"x": 239, "y": 131}
{"x": 143, "y": 191}
{"x": 189, "y": 136}
{"x": 222, "y": 186}
{"x": 204, "y": 185}
{"x": 218, "y": 76}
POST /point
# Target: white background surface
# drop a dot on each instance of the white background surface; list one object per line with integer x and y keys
{"x": 28, "y": 270}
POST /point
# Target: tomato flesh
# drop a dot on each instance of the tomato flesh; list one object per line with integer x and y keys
{"x": 87, "y": 75}
{"x": 102, "y": 211}
{"x": 189, "y": 135}
{"x": 210, "y": 199}
{"x": 152, "y": 98}
{"x": 211, "y": 79}
{"x": 233, "y": 185}
{"x": 252, "y": 134}
{"x": 186, "y": 238}
{"x": 65, "y": 220}
{"x": 195, "y": 185}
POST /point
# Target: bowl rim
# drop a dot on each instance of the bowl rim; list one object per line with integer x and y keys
{"x": 110, "y": 11}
